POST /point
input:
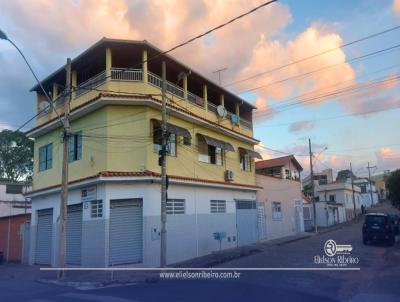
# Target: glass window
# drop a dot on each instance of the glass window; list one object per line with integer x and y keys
{"x": 175, "y": 206}
{"x": 217, "y": 206}
{"x": 332, "y": 198}
{"x": 75, "y": 146}
{"x": 276, "y": 210}
{"x": 245, "y": 162}
{"x": 96, "y": 209}
{"x": 210, "y": 154}
{"x": 46, "y": 157}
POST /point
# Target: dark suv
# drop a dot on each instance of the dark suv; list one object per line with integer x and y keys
{"x": 378, "y": 227}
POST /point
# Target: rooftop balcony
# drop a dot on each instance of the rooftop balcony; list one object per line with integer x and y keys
{"x": 100, "y": 75}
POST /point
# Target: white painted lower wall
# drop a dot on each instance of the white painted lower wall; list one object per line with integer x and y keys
{"x": 188, "y": 235}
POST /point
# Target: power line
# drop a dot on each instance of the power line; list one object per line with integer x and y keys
{"x": 315, "y": 55}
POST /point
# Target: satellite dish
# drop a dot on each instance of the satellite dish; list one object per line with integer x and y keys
{"x": 44, "y": 106}
{"x": 222, "y": 112}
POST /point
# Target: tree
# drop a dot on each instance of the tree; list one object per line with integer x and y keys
{"x": 393, "y": 185}
{"x": 16, "y": 156}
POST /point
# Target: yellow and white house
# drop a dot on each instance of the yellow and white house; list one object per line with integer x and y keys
{"x": 114, "y": 176}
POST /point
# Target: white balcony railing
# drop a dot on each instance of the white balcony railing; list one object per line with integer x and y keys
{"x": 124, "y": 74}
{"x": 136, "y": 75}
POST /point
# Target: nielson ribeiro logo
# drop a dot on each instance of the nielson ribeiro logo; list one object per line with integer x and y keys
{"x": 342, "y": 253}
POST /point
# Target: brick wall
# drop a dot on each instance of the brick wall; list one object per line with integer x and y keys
{"x": 15, "y": 242}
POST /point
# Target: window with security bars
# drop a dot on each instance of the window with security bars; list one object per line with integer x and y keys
{"x": 218, "y": 206}
{"x": 96, "y": 209}
{"x": 175, "y": 206}
{"x": 276, "y": 211}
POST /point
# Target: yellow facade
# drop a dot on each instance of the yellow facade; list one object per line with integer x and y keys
{"x": 119, "y": 138}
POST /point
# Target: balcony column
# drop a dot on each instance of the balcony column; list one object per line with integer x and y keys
{"x": 222, "y": 100}
{"x": 55, "y": 92}
{"x": 205, "y": 97}
{"x": 144, "y": 66}
{"x": 184, "y": 84}
{"x": 237, "y": 109}
{"x": 74, "y": 81}
{"x": 108, "y": 63}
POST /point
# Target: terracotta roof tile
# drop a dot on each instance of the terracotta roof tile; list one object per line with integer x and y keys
{"x": 277, "y": 162}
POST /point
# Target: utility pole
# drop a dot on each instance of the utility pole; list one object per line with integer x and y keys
{"x": 163, "y": 243}
{"x": 219, "y": 74}
{"x": 312, "y": 187}
{"x": 352, "y": 189}
{"x": 64, "y": 177}
{"x": 370, "y": 182}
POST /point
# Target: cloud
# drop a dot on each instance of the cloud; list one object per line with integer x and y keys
{"x": 396, "y": 7}
{"x": 301, "y": 125}
{"x": 387, "y": 158}
{"x": 375, "y": 97}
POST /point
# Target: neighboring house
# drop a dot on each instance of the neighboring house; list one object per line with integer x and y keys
{"x": 336, "y": 199}
{"x": 366, "y": 188}
{"x": 12, "y": 243}
{"x": 12, "y": 200}
{"x": 114, "y": 176}
{"x": 280, "y": 199}
{"x": 320, "y": 178}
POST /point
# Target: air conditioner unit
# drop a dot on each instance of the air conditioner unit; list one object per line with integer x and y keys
{"x": 229, "y": 175}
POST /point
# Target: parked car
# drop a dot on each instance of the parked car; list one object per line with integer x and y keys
{"x": 378, "y": 227}
{"x": 396, "y": 222}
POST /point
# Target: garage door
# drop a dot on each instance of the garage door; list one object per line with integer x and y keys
{"x": 246, "y": 222}
{"x": 126, "y": 231}
{"x": 44, "y": 236}
{"x": 74, "y": 234}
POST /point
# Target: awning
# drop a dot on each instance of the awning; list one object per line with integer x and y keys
{"x": 179, "y": 131}
{"x": 251, "y": 153}
{"x": 216, "y": 143}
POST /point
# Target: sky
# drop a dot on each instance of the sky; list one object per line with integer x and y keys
{"x": 346, "y": 101}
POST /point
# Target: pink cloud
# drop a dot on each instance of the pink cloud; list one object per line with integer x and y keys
{"x": 396, "y": 7}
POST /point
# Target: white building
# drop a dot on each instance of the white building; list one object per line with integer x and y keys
{"x": 340, "y": 194}
{"x": 119, "y": 214}
{"x": 279, "y": 202}
{"x": 12, "y": 200}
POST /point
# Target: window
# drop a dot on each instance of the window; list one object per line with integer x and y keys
{"x": 287, "y": 174}
{"x": 332, "y": 198}
{"x": 157, "y": 141}
{"x": 14, "y": 189}
{"x": 276, "y": 210}
{"x": 175, "y": 206}
{"x": 210, "y": 154}
{"x": 245, "y": 162}
{"x": 46, "y": 157}
{"x": 218, "y": 206}
{"x": 75, "y": 147}
{"x": 363, "y": 188}
{"x": 96, "y": 209}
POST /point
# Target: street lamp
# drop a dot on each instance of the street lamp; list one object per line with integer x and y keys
{"x": 3, "y": 36}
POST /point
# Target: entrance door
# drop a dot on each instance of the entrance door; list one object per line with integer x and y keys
{"x": 44, "y": 237}
{"x": 74, "y": 234}
{"x": 126, "y": 231}
{"x": 246, "y": 222}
